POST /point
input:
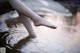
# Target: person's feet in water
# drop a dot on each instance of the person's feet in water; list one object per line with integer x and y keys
{"x": 44, "y": 22}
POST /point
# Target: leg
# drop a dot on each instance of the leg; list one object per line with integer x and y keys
{"x": 26, "y": 21}
{"x": 22, "y": 8}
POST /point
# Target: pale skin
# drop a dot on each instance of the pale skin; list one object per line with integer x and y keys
{"x": 25, "y": 14}
{"x": 27, "y": 23}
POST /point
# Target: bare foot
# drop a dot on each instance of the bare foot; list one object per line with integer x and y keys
{"x": 44, "y": 22}
{"x": 31, "y": 36}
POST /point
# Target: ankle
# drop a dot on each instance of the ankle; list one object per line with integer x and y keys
{"x": 32, "y": 34}
{"x": 38, "y": 20}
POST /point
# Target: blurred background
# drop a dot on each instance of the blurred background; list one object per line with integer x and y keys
{"x": 65, "y": 39}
